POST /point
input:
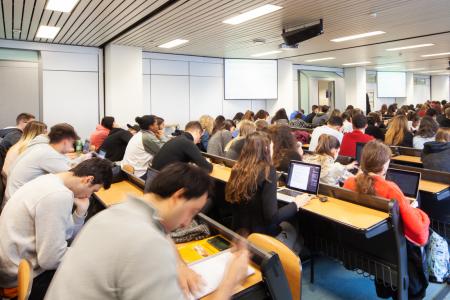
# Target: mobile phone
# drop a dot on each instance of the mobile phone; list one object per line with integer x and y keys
{"x": 219, "y": 243}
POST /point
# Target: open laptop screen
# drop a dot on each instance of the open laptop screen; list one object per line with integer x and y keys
{"x": 407, "y": 181}
{"x": 359, "y": 149}
{"x": 303, "y": 177}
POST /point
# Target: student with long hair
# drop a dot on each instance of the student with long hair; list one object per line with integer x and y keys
{"x": 284, "y": 147}
{"x": 221, "y": 138}
{"x": 383, "y": 110}
{"x": 398, "y": 133}
{"x": 249, "y": 116}
{"x": 426, "y": 132}
{"x": 207, "y": 123}
{"x": 280, "y": 117}
{"x": 325, "y": 155}
{"x": 374, "y": 121}
{"x": 375, "y": 159}
{"x": 252, "y": 191}
{"x": 234, "y": 147}
{"x": 31, "y": 130}
{"x": 261, "y": 115}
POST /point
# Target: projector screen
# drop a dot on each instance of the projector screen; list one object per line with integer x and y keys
{"x": 391, "y": 84}
{"x": 251, "y": 79}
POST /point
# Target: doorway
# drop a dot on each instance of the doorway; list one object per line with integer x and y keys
{"x": 325, "y": 93}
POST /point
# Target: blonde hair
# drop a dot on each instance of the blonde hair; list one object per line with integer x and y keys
{"x": 443, "y": 135}
{"x": 31, "y": 130}
{"x": 397, "y": 129}
{"x": 327, "y": 143}
{"x": 207, "y": 123}
{"x": 246, "y": 128}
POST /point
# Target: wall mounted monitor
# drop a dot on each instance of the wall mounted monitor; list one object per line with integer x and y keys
{"x": 251, "y": 79}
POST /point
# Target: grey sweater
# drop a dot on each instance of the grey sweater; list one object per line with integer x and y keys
{"x": 122, "y": 253}
{"x": 217, "y": 143}
{"x": 40, "y": 158}
{"x": 36, "y": 224}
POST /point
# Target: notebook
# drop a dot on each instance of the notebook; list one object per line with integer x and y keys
{"x": 212, "y": 269}
{"x": 302, "y": 178}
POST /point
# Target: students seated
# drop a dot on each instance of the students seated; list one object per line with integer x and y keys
{"x": 31, "y": 130}
{"x": 117, "y": 141}
{"x": 374, "y": 122}
{"x": 413, "y": 121}
{"x": 375, "y": 160}
{"x": 144, "y": 145}
{"x": 102, "y": 131}
{"x": 314, "y": 110}
{"x": 284, "y": 147}
{"x": 249, "y": 116}
{"x": 398, "y": 133}
{"x": 37, "y": 221}
{"x": 11, "y": 135}
{"x": 322, "y": 117}
{"x": 392, "y": 109}
{"x": 298, "y": 121}
{"x": 326, "y": 153}
{"x": 384, "y": 110}
{"x": 234, "y": 147}
{"x": 426, "y": 132}
{"x": 44, "y": 154}
{"x": 280, "y": 117}
{"x": 182, "y": 149}
{"x": 207, "y": 123}
{"x": 262, "y": 125}
{"x": 348, "y": 146}
{"x": 137, "y": 260}
{"x": 221, "y": 138}
{"x": 252, "y": 191}
{"x": 333, "y": 127}
{"x": 436, "y": 154}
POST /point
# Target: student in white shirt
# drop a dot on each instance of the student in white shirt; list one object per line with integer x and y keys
{"x": 37, "y": 221}
{"x": 333, "y": 127}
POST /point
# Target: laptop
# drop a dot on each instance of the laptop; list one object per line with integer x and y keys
{"x": 151, "y": 174}
{"x": 359, "y": 149}
{"x": 302, "y": 178}
{"x": 407, "y": 181}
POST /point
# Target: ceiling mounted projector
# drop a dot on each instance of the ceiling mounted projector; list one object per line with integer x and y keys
{"x": 296, "y": 35}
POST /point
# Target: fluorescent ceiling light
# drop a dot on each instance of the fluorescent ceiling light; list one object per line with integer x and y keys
{"x": 436, "y": 54}
{"x": 357, "y": 63}
{"x": 409, "y": 47}
{"x": 266, "y": 53}
{"x": 173, "y": 43}
{"x": 320, "y": 59}
{"x": 357, "y": 36}
{"x": 386, "y": 67}
{"x": 61, "y": 5}
{"x": 252, "y": 14}
{"x": 416, "y": 69}
{"x": 47, "y": 32}
{"x": 435, "y": 71}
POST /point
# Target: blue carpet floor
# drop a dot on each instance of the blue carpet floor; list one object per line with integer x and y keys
{"x": 334, "y": 282}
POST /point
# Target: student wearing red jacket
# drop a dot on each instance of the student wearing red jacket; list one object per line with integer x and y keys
{"x": 375, "y": 161}
{"x": 348, "y": 146}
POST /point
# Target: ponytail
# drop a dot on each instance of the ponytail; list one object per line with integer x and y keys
{"x": 365, "y": 184}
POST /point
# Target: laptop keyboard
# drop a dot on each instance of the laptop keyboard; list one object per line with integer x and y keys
{"x": 291, "y": 193}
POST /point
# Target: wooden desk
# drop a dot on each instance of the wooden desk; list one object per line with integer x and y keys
{"x": 407, "y": 158}
{"x": 347, "y": 213}
{"x": 431, "y": 186}
{"x": 221, "y": 173}
{"x": 117, "y": 193}
{"x": 250, "y": 281}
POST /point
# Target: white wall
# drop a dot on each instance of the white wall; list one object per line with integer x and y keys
{"x": 355, "y": 87}
{"x": 440, "y": 87}
{"x": 72, "y": 85}
{"x": 422, "y": 91}
{"x": 180, "y": 88}
{"x": 123, "y": 83}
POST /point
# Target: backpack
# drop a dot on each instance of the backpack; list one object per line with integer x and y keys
{"x": 438, "y": 258}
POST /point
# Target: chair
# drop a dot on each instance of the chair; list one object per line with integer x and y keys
{"x": 24, "y": 280}
{"x": 289, "y": 260}
{"x": 128, "y": 168}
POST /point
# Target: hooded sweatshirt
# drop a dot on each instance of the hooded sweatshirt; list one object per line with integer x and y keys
{"x": 435, "y": 156}
{"x": 38, "y": 159}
